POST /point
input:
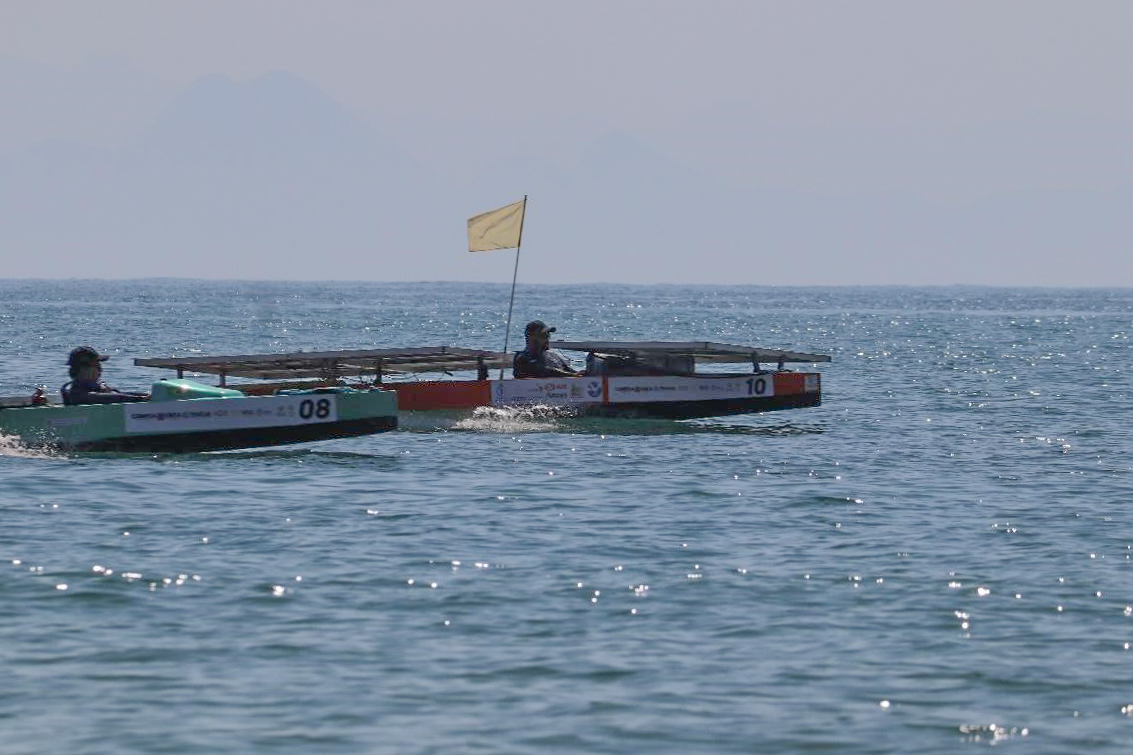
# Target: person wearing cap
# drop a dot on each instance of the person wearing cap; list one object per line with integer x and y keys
{"x": 537, "y": 360}
{"x": 85, "y": 387}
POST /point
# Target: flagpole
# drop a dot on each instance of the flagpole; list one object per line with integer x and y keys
{"x": 514, "y": 276}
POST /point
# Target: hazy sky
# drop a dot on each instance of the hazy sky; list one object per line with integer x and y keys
{"x": 864, "y": 142}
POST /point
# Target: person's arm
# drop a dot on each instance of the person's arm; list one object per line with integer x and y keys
{"x": 555, "y": 365}
{"x": 559, "y": 372}
{"x": 112, "y": 397}
{"x": 105, "y": 395}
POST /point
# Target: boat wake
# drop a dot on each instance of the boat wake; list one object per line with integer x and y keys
{"x": 11, "y": 445}
{"x": 543, "y": 418}
{"x": 514, "y": 419}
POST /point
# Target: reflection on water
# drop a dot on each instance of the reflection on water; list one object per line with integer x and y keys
{"x": 692, "y": 427}
{"x": 543, "y": 418}
{"x": 350, "y": 459}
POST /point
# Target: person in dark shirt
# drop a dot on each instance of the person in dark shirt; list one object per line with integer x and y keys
{"x": 537, "y": 360}
{"x": 85, "y": 387}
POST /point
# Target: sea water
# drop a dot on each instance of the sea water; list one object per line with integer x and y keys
{"x": 938, "y": 559}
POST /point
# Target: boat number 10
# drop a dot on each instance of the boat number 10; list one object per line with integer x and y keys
{"x": 756, "y": 386}
{"x": 309, "y": 408}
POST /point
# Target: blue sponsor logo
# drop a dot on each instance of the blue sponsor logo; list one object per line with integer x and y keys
{"x": 594, "y": 389}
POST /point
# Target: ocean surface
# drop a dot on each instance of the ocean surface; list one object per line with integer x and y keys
{"x": 938, "y": 559}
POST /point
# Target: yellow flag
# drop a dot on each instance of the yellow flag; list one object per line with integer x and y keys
{"x": 498, "y": 229}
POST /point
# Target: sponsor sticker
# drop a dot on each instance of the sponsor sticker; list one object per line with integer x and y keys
{"x": 551, "y": 391}
{"x": 676, "y": 388}
{"x": 230, "y": 413}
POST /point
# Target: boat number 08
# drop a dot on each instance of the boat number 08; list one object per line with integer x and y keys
{"x": 756, "y": 386}
{"x": 309, "y": 408}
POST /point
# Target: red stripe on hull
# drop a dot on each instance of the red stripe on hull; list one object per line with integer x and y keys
{"x": 790, "y": 383}
{"x": 441, "y": 394}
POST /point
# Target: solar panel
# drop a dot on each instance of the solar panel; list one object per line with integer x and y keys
{"x": 323, "y": 364}
{"x": 702, "y": 351}
{"x": 361, "y": 362}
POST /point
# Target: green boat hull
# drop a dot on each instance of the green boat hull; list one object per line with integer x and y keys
{"x": 203, "y": 424}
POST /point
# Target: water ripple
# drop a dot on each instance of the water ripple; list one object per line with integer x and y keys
{"x": 935, "y": 559}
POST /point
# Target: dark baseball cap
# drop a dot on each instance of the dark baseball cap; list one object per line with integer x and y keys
{"x": 85, "y": 355}
{"x": 538, "y": 326}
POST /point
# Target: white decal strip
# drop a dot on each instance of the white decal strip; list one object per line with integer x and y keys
{"x": 230, "y": 413}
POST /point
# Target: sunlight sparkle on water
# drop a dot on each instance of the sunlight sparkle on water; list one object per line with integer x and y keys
{"x": 932, "y": 481}
{"x": 992, "y": 733}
